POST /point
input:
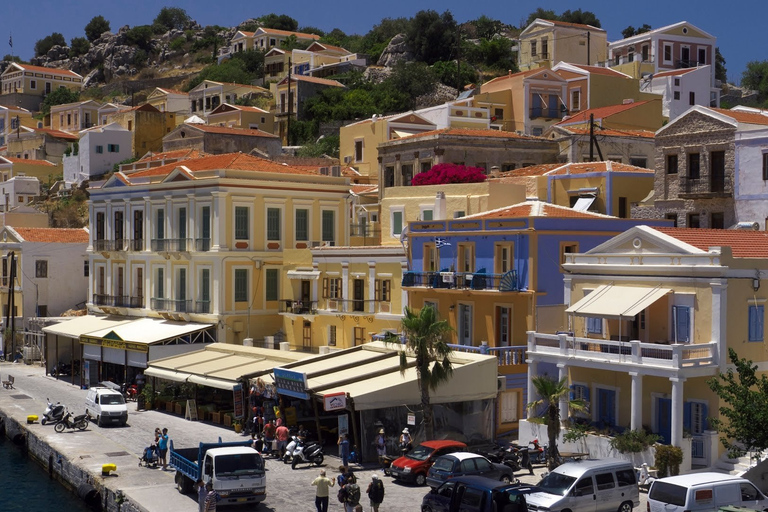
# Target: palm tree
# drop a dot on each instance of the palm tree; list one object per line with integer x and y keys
{"x": 551, "y": 393}
{"x": 426, "y": 338}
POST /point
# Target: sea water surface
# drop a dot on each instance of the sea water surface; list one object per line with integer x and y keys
{"x": 26, "y": 486}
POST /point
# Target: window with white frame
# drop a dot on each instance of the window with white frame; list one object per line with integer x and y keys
{"x": 504, "y": 326}
{"x": 681, "y": 324}
{"x": 331, "y": 288}
{"x": 160, "y": 283}
{"x": 332, "y": 335}
{"x": 756, "y": 321}
{"x": 359, "y": 150}
{"x": 575, "y": 100}
{"x": 667, "y": 53}
{"x": 41, "y": 268}
{"x": 397, "y": 222}
{"x": 465, "y": 324}
{"x": 302, "y": 224}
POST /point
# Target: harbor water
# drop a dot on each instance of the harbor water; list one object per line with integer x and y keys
{"x": 26, "y": 485}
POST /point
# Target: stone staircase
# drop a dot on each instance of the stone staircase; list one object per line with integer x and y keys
{"x": 731, "y": 466}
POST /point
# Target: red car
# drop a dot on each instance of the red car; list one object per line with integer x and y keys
{"x": 414, "y": 465}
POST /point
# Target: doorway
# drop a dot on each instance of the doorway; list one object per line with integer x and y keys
{"x": 358, "y": 303}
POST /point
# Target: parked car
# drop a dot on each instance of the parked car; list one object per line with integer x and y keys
{"x": 588, "y": 486}
{"x": 106, "y": 405}
{"x": 703, "y": 491}
{"x": 476, "y": 494}
{"x": 414, "y": 465}
{"x": 465, "y": 464}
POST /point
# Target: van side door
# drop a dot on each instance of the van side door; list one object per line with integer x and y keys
{"x": 727, "y": 494}
{"x": 583, "y": 498}
{"x": 751, "y": 497}
{"x": 608, "y": 496}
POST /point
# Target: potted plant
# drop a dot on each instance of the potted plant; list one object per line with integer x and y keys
{"x": 144, "y": 399}
{"x": 237, "y": 425}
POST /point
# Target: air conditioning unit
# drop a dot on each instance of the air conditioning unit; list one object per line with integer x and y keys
{"x": 336, "y": 171}
{"x": 501, "y": 383}
{"x": 324, "y": 171}
{"x": 347, "y": 159}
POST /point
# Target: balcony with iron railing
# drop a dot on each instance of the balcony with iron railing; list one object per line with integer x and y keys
{"x": 706, "y": 187}
{"x": 669, "y": 359}
{"x": 298, "y": 307}
{"x": 172, "y": 305}
{"x": 102, "y": 245}
{"x": 202, "y": 244}
{"x": 203, "y": 307}
{"x": 356, "y": 306}
{"x": 365, "y": 230}
{"x": 117, "y": 301}
{"x": 136, "y": 245}
{"x": 480, "y": 281}
{"x": 171, "y": 244}
{"x": 682, "y": 63}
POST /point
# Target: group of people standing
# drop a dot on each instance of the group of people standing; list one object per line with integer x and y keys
{"x": 349, "y": 491}
{"x": 160, "y": 446}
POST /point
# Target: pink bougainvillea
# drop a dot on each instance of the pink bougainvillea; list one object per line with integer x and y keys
{"x": 449, "y": 173}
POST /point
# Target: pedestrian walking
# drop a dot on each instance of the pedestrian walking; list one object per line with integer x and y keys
{"x": 343, "y": 443}
{"x": 405, "y": 441}
{"x": 282, "y": 433}
{"x": 352, "y": 494}
{"x": 375, "y": 492}
{"x": 323, "y": 484}
{"x": 162, "y": 448}
{"x": 202, "y": 492}
{"x": 211, "y": 498}
{"x": 381, "y": 447}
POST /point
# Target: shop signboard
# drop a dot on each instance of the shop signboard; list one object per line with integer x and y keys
{"x": 237, "y": 398}
{"x": 291, "y": 383}
{"x": 334, "y": 401}
{"x": 411, "y": 419}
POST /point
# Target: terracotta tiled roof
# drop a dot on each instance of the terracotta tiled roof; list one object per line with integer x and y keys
{"x": 600, "y": 112}
{"x": 53, "y": 235}
{"x": 146, "y": 107}
{"x": 575, "y": 168}
{"x": 364, "y": 189}
{"x": 173, "y": 91}
{"x": 743, "y": 244}
{"x": 53, "y": 71}
{"x": 574, "y": 25}
{"x": 233, "y": 131}
{"x": 609, "y": 132}
{"x": 466, "y": 132}
{"x": 300, "y": 35}
{"x": 597, "y": 70}
{"x": 514, "y": 75}
{"x": 743, "y": 117}
{"x": 674, "y": 72}
{"x": 177, "y": 154}
{"x": 334, "y": 48}
{"x": 57, "y": 133}
{"x": 32, "y": 162}
{"x": 531, "y": 170}
{"x": 234, "y": 161}
{"x": 536, "y": 209}
{"x": 246, "y": 33}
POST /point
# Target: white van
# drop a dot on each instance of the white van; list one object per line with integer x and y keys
{"x": 106, "y": 406}
{"x": 588, "y": 485}
{"x": 703, "y": 491}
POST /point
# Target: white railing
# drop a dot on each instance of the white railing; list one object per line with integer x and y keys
{"x": 674, "y": 355}
{"x": 506, "y": 356}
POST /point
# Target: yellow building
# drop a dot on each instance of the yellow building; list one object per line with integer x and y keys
{"x": 358, "y": 142}
{"x": 206, "y": 240}
{"x": 265, "y": 38}
{"x": 170, "y": 100}
{"x": 46, "y": 172}
{"x": 544, "y": 43}
{"x": 608, "y": 187}
{"x": 25, "y": 86}
{"x": 13, "y": 118}
{"x": 342, "y": 296}
{"x": 147, "y": 125}
{"x": 649, "y": 322}
{"x": 237, "y": 116}
{"x": 75, "y": 117}
{"x": 630, "y": 115}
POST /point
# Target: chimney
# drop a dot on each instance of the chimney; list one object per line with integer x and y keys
{"x": 439, "y": 213}
{"x": 495, "y": 171}
{"x": 628, "y": 101}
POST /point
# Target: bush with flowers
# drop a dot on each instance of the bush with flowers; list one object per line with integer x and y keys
{"x": 449, "y": 173}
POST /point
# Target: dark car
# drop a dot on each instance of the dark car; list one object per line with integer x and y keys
{"x": 465, "y": 464}
{"x": 476, "y": 494}
{"x": 413, "y": 466}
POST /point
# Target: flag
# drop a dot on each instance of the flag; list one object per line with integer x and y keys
{"x": 441, "y": 242}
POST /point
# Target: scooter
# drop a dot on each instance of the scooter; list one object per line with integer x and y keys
{"x": 130, "y": 393}
{"x": 53, "y": 413}
{"x": 290, "y": 448}
{"x": 537, "y": 452}
{"x": 311, "y": 453}
{"x": 78, "y": 422}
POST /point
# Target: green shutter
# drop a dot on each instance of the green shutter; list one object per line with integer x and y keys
{"x": 397, "y": 223}
{"x": 241, "y": 223}
{"x": 271, "y": 285}
{"x": 302, "y": 225}
{"x": 241, "y": 285}
{"x": 328, "y": 226}
{"x": 273, "y": 224}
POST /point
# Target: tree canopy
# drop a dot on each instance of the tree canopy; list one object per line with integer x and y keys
{"x": 231, "y": 70}
{"x": 432, "y": 36}
{"x": 78, "y": 46}
{"x": 745, "y": 411}
{"x": 59, "y": 96}
{"x": 632, "y": 31}
{"x": 577, "y": 16}
{"x": 721, "y": 73}
{"x": 44, "y": 45}
{"x": 97, "y": 26}
{"x": 171, "y": 17}
{"x": 756, "y": 77}
{"x": 279, "y": 22}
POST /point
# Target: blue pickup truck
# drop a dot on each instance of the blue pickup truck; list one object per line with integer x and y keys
{"x": 235, "y": 469}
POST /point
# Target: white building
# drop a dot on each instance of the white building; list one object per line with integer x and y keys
{"x": 681, "y": 89}
{"x": 18, "y": 191}
{"x": 100, "y": 148}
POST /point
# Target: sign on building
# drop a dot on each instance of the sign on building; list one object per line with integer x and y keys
{"x": 291, "y": 383}
{"x": 334, "y": 401}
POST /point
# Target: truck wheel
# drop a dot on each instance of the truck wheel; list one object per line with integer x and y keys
{"x": 421, "y": 479}
{"x": 98, "y": 421}
{"x": 183, "y": 483}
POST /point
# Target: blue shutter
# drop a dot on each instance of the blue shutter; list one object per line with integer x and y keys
{"x": 687, "y": 416}
{"x": 586, "y": 393}
{"x": 683, "y": 323}
{"x": 573, "y": 392}
{"x": 756, "y": 323}
{"x": 705, "y": 415}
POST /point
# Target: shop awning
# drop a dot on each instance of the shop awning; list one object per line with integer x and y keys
{"x": 617, "y": 302}
{"x": 583, "y": 203}
{"x": 303, "y": 274}
{"x": 212, "y": 383}
{"x": 149, "y": 330}
{"x": 80, "y": 325}
{"x": 370, "y": 375}
{"x": 166, "y": 374}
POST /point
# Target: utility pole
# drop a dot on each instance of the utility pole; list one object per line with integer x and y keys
{"x": 458, "y": 59}
{"x": 290, "y": 107}
{"x": 593, "y": 140}
{"x": 589, "y": 36}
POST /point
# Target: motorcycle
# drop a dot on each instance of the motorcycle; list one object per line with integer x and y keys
{"x": 78, "y": 422}
{"x": 64, "y": 369}
{"x": 311, "y": 453}
{"x": 290, "y": 448}
{"x": 537, "y": 452}
{"x": 53, "y": 413}
{"x": 130, "y": 393}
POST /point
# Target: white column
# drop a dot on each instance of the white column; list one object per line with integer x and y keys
{"x": 345, "y": 285}
{"x": 218, "y": 225}
{"x": 169, "y": 217}
{"x": 719, "y": 319}
{"x": 403, "y": 292}
{"x": 92, "y": 231}
{"x": 147, "y": 226}
{"x": 532, "y": 372}
{"x": 372, "y": 287}
{"x": 677, "y": 411}
{"x": 636, "y": 418}
{"x": 191, "y": 220}
{"x": 562, "y": 370}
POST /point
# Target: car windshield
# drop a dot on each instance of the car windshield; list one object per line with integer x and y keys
{"x": 668, "y": 493}
{"x": 241, "y": 464}
{"x": 112, "y": 399}
{"x": 442, "y": 464}
{"x": 421, "y": 452}
{"x": 556, "y": 483}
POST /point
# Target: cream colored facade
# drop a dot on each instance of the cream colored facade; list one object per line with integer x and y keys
{"x": 401, "y": 205}
{"x": 207, "y": 239}
{"x": 37, "y": 81}
{"x": 209, "y": 94}
{"x": 235, "y": 116}
{"x": 170, "y": 100}
{"x": 544, "y": 43}
{"x": 341, "y": 296}
{"x": 652, "y": 315}
{"x": 12, "y": 118}
{"x": 75, "y": 117}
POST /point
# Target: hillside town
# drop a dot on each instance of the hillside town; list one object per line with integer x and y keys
{"x": 579, "y": 241}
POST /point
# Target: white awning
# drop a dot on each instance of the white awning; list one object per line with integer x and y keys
{"x": 212, "y": 383}
{"x": 303, "y": 274}
{"x": 149, "y": 330}
{"x": 617, "y": 302}
{"x": 80, "y": 325}
{"x": 583, "y": 203}
{"x": 166, "y": 374}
